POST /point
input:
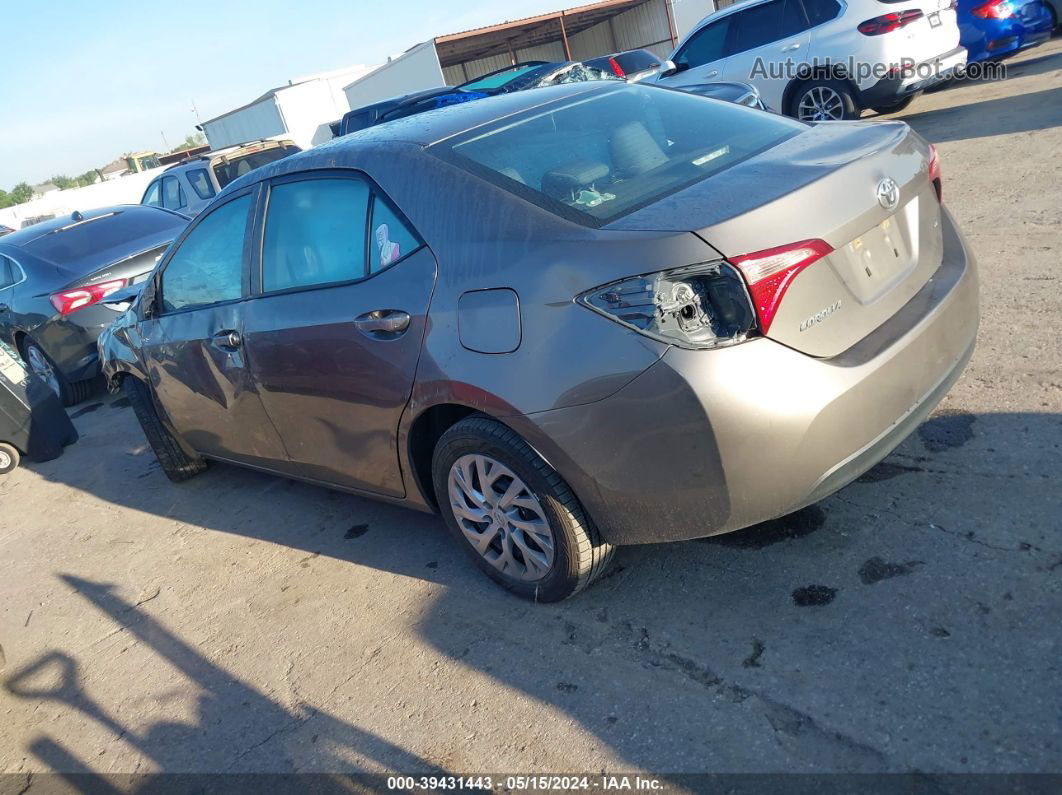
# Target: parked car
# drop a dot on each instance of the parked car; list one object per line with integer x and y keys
{"x": 1053, "y": 8}
{"x": 54, "y": 275}
{"x": 995, "y": 28}
{"x": 189, "y": 186}
{"x": 632, "y": 65}
{"x": 738, "y": 93}
{"x": 535, "y": 74}
{"x": 590, "y": 315}
{"x": 402, "y": 106}
{"x": 805, "y": 56}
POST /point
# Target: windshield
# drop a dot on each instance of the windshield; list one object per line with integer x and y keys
{"x": 235, "y": 167}
{"x": 499, "y": 79}
{"x": 596, "y": 157}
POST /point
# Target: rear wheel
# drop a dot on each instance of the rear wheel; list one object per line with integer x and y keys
{"x": 514, "y": 514}
{"x": 896, "y": 107}
{"x": 175, "y": 462}
{"x": 823, "y": 100}
{"x": 69, "y": 392}
{"x": 9, "y": 458}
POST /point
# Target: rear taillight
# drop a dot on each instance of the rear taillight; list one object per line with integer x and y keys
{"x": 887, "y": 23}
{"x": 934, "y": 172}
{"x": 75, "y": 298}
{"x": 616, "y": 67}
{"x": 699, "y": 306}
{"x": 770, "y": 272}
{"x": 993, "y": 9}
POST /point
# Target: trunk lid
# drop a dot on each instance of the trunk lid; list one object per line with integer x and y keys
{"x": 934, "y": 33}
{"x": 823, "y": 184}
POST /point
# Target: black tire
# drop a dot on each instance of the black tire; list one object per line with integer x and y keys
{"x": 175, "y": 462}
{"x": 896, "y": 107}
{"x": 9, "y": 458}
{"x": 580, "y": 554}
{"x": 70, "y": 392}
{"x": 849, "y": 108}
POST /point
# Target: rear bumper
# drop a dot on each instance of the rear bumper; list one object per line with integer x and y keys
{"x": 706, "y": 442}
{"x": 71, "y": 341}
{"x": 890, "y": 90}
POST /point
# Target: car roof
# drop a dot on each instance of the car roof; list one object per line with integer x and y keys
{"x": 423, "y": 129}
{"x": 226, "y": 151}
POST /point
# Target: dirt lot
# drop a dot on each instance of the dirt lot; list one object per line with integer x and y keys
{"x": 241, "y": 622}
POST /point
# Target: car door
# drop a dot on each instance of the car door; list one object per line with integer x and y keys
{"x": 173, "y": 197}
{"x": 766, "y": 47}
{"x": 702, "y": 57}
{"x": 193, "y": 339}
{"x": 10, "y": 275}
{"x": 335, "y": 327}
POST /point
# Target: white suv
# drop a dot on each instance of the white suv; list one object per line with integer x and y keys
{"x": 824, "y": 59}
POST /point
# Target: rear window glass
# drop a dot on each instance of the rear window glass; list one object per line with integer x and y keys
{"x": 238, "y": 166}
{"x": 122, "y": 228}
{"x": 595, "y": 158}
{"x": 499, "y": 79}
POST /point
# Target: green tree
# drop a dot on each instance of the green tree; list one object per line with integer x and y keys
{"x": 63, "y": 182}
{"x": 190, "y": 142}
{"x": 5, "y": 199}
{"x": 21, "y": 193}
{"x": 88, "y": 178}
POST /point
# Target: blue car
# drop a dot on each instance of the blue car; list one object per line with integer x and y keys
{"x": 995, "y": 28}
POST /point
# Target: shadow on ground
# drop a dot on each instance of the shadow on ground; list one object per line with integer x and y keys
{"x": 803, "y": 644}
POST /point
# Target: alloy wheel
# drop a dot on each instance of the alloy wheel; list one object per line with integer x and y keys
{"x": 821, "y": 103}
{"x": 501, "y": 517}
{"x": 40, "y": 365}
{"x": 5, "y": 459}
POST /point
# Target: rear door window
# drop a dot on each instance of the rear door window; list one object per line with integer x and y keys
{"x": 172, "y": 194}
{"x": 207, "y": 267}
{"x": 200, "y": 182}
{"x": 765, "y": 24}
{"x": 392, "y": 238}
{"x": 7, "y": 272}
{"x": 315, "y": 233}
{"x": 820, "y": 11}
{"x": 706, "y": 45}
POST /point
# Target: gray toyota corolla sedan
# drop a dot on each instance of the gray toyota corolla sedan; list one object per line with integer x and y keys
{"x": 567, "y": 319}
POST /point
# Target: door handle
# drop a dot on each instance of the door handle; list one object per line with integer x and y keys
{"x": 229, "y": 339}
{"x": 713, "y": 73}
{"x": 791, "y": 47}
{"x": 383, "y": 323}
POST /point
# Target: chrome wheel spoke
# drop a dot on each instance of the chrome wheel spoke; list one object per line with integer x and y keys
{"x": 501, "y": 517}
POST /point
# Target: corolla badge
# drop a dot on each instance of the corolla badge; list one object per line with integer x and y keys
{"x": 888, "y": 193}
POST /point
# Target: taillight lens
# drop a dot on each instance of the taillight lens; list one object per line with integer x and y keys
{"x": 770, "y": 272}
{"x": 934, "y": 172}
{"x": 75, "y": 298}
{"x": 887, "y": 23}
{"x": 993, "y": 9}
{"x": 699, "y": 306}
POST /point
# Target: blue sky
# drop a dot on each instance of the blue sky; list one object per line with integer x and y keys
{"x": 84, "y": 82}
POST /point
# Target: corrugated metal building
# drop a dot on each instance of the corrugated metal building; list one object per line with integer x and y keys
{"x": 300, "y": 110}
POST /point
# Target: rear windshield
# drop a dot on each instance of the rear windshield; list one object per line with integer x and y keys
{"x": 593, "y": 158}
{"x": 499, "y": 79}
{"x": 238, "y": 166}
{"x": 81, "y": 239}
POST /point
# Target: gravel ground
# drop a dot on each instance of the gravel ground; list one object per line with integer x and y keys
{"x": 246, "y": 623}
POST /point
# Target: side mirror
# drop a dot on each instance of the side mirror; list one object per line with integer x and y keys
{"x": 669, "y": 68}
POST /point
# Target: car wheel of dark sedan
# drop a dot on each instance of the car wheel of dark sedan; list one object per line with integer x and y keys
{"x": 823, "y": 100}
{"x": 514, "y": 514}
{"x": 8, "y": 458}
{"x": 175, "y": 462}
{"x": 70, "y": 392}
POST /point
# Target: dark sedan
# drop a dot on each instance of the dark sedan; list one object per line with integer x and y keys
{"x": 54, "y": 275}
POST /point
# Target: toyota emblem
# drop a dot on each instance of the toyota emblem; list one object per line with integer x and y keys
{"x": 888, "y": 193}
